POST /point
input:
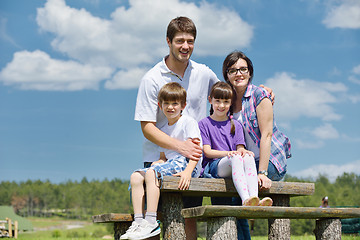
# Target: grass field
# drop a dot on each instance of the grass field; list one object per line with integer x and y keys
{"x": 60, "y": 229}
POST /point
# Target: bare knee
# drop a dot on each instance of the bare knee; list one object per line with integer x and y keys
{"x": 136, "y": 179}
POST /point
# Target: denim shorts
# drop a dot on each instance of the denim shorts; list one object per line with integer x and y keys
{"x": 188, "y": 201}
{"x": 168, "y": 168}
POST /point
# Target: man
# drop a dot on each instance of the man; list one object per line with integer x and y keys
{"x": 194, "y": 77}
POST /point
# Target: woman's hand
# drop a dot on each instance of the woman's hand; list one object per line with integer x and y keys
{"x": 264, "y": 181}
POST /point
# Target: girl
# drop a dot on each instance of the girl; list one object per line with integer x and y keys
{"x": 224, "y": 147}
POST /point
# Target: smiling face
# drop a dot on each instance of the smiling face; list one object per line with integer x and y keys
{"x": 238, "y": 74}
{"x": 172, "y": 110}
{"x": 181, "y": 47}
{"x": 221, "y": 108}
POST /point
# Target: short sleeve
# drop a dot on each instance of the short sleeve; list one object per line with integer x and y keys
{"x": 146, "y": 102}
{"x": 204, "y": 131}
{"x": 192, "y": 129}
{"x": 260, "y": 94}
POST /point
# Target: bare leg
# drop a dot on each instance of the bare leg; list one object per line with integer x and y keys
{"x": 137, "y": 191}
{"x": 152, "y": 191}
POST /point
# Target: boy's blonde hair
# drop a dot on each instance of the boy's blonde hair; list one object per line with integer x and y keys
{"x": 172, "y": 91}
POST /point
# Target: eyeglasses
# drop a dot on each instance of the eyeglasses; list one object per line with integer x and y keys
{"x": 233, "y": 71}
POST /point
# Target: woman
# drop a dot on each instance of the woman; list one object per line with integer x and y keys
{"x": 252, "y": 107}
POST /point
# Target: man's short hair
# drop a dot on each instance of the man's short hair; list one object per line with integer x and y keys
{"x": 180, "y": 24}
{"x": 172, "y": 91}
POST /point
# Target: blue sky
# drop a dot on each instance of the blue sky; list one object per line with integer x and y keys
{"x": 69, "y": 73}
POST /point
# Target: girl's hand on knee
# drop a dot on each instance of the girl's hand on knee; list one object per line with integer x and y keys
{"x": 243, "y": 152}
{"x": 232, "y": 153}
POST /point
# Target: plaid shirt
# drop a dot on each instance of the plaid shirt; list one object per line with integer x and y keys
{"x": 280, "y": 144}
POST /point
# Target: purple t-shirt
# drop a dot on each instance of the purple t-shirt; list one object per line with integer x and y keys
{"x": 218, "y": 136}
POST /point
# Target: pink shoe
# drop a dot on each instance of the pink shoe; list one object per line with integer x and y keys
{"x": 251, "y": 201}
{"x": 266, "y": 202}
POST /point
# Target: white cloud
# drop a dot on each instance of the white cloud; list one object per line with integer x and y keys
{"x": 326, "y": 131}
{"x": 126, "y": 79}
{"x": 37, "y": 71}
{"x": 345, "y": 15}
{"x": 136, "y": 35}
{"x": 356, "y": 75}
{"x": 131, "y": 39}
{"x": 3, "y": 32}
{"x": 332, "y": 171}
{"x": 297, "y": 98}
{"x": 356, "y": 70}
{"x": 309, "y": 144}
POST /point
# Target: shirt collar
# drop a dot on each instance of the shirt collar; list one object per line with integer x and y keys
{"x": 164, "y": 68}
{"x": 248, "y": 90}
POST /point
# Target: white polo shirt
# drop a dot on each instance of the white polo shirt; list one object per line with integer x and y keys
{"x": 197, "y": 81}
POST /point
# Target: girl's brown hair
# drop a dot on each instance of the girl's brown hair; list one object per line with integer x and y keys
{"x": 222, "y": 90}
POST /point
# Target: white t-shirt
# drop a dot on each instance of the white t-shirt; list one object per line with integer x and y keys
{"x": 197, "y": 81}
{"x": 186, "y": 127}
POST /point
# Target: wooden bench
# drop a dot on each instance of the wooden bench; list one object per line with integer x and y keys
{"x": 173, "y": 221}
{"x": 11, "y": 230}
{"x": 221, "y": 220}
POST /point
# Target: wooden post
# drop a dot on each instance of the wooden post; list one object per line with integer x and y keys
{"x": 9, "y": 226}
{"x": 279, "y": 229}
{"x": 221, "y": 228}
{"x": 16, "y": 229}
{"x": 120, "y": 228}
{"x": 329, "y": 229}
{"x": 173, "y": 221}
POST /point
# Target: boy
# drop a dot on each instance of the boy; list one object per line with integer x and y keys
{"x": 171, "y": 101}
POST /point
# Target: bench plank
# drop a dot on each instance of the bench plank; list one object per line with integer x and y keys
{"x": 225, "y": 187}
{"x": 112, "y": 217}
{"x": 247, "y": 212}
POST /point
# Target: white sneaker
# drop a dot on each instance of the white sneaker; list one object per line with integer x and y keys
{"x": 134, "y": 226}
{"x": 145, "y": 230}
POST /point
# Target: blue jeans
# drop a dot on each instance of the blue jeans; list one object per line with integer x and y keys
{"x": 273, "y": 173}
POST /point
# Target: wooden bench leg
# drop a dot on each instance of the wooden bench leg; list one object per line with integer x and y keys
{"x": 279, "y": 229}
{"x": 329, "y": 229}
{"x": 222, "y": 228}
{"x": 173, "y": 221}
{"x": 120, "y": 228}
